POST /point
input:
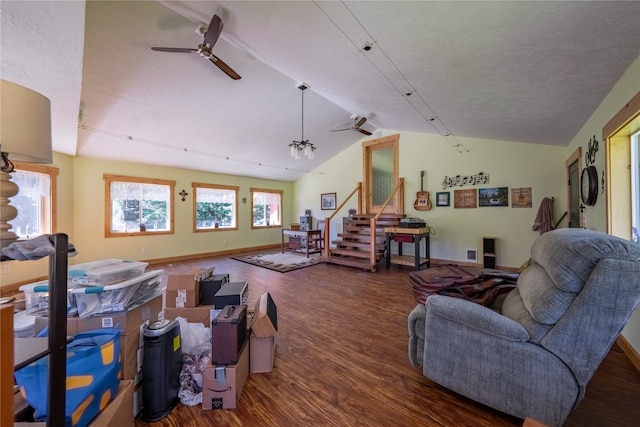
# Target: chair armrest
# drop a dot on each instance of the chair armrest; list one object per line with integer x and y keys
{"x": 474, "y": 316}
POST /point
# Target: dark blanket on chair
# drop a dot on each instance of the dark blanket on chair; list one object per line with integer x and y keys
{"x": 477, "y": 284}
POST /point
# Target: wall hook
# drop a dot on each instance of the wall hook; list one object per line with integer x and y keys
{"x": 183, "y": 194}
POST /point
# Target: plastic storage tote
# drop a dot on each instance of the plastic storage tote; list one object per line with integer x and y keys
{"x": 36, "y": 299}
{"x": 98, "y": 300}
{"x": 105, "y": 272}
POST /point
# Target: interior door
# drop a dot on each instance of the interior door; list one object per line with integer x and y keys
{"x": 574, "y": 166}
{"x": 380, "y": 174}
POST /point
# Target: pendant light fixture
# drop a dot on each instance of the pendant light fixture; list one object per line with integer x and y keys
{"x": 303, "y": 146}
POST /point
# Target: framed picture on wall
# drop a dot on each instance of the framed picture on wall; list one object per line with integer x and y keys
{"x": 521, "y": 197}
{"x": 443, "y": 198}
{"x": 465, "y": 199}
{"x": 497, "y": 196}
{"x": 328, "y": 201}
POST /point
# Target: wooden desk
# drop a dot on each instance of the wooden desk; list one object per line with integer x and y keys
{"x": 408, "y": 235}
{"x": 301, "y": 241}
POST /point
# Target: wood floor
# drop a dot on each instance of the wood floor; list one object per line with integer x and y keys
{"x": 341, "y": 360}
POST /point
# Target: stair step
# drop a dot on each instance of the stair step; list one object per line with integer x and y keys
{"x": 350, "y": 252}
{"x": 364, "y": 229}
{"x": 360, "y": 236}
{"x": 344, "y": 244}
{"x": 350, "y": 262}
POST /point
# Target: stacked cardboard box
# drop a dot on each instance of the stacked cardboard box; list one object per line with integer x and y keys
{"x": 118, "y": 412}
{"x": 223, "y": 384}
{"x": 183, "y": 296}
{"x": 131, "y": 325}
{"x": 262, "y": 341}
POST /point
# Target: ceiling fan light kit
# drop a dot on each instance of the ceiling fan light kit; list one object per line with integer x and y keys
{"x": 211, "y": 34}
{"x": 303, "y": 145}
{"x": 357, "y": 126}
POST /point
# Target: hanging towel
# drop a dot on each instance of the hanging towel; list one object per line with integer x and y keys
{"x": 544, "y": 218}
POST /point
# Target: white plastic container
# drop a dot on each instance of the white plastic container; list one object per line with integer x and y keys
{"x": 24, "y": 325}
{"x": 105, "y": 272}
{"x": 97, "y": 300}
{"x": 36, "y": 299}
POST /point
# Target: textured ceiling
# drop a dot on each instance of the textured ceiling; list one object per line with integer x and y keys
{"x": 515, "y": 71}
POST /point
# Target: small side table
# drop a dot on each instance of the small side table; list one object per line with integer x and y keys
{"x": 301, "y": 241}
{"x": 408, "y": 235}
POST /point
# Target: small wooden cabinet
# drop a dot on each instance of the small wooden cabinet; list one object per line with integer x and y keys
{"x": 489, "y": 252}
{"x": 301, "y": 241}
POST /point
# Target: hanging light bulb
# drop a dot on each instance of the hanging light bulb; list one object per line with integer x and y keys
{"x": 305, "y": 146}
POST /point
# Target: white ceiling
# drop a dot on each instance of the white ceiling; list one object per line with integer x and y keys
{"x": 515, "y": 71}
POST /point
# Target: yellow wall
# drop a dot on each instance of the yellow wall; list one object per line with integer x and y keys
{"x": 81, "y": 216}
{"x": 14, "y": 271}
{"x": 508, "y": 165}
{"x": 622, "y": 92}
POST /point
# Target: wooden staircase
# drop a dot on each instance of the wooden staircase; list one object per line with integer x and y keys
{"x": 357, "y": 246}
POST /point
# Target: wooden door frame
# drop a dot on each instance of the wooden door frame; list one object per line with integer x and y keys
{"x": 393, "y": 141}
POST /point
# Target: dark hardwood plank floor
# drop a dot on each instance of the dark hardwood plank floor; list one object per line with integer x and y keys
{"x": 341, "y": 360}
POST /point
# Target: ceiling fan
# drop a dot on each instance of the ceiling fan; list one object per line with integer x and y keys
{"x": 357, "y": 126}
{"x": 211, "y": 35}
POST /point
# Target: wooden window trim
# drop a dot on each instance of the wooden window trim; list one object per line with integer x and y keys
{"x": 236, "y": 189}
{"x": 53, "y": 173}
{"x": 266, "y": 190}
{"x": 108, "y": 179}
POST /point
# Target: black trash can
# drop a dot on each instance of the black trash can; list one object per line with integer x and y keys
{"x": 161, "y": 368}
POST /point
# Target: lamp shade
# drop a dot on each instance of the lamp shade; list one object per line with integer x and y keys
{"x": 25, "y": 124}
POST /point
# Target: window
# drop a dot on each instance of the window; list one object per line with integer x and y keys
{"x": 138, "y": 206}
{"x": 622, "y": 170}
{"x": 266, "y": 206}
{"x": 380, "y": 162}
{"x": 215, "y": 207}
{"x": 35, "y": 201}
{"x": 635, "y": 187}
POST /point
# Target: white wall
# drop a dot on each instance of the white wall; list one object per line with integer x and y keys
{"x": 508, "y": 165}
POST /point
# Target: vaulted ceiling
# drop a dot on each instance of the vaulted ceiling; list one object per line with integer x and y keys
{"x": 516, "y": 71}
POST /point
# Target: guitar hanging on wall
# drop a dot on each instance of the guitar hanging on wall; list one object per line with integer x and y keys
{"x": 422, "y": 202}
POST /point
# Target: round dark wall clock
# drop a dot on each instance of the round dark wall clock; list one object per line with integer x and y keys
{"x": 589, "y": 185}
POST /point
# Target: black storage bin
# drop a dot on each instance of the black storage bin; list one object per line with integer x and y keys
{"x": 210, "y": 286}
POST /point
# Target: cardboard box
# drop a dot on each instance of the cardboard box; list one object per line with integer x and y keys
{"x": 265, "y": 317}
{"x": 222, "y": 385}
{"x": 125, "y": 322}
{"x": 262, "y": 352}
{"x": 129, "y": 324}
{"x": 200, "y": 314}
{"x": 119, "y": 412}
{"x": 183, "y": 290}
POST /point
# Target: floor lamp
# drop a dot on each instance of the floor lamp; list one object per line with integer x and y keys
{"x": 25, "y": 135}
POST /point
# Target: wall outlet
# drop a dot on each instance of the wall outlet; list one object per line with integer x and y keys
{"x": 224, "y": 243}
{"x": 6, "y": 269}
{"x": 144, "y": 249}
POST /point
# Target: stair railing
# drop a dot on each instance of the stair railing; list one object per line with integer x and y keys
{"x": 373, "y": 221}
{"x": 327, "y": 221}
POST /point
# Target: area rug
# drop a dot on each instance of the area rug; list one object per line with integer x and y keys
{"x": 278, "y": 261}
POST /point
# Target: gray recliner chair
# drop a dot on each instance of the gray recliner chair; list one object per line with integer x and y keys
{"x": 534, "y": 354}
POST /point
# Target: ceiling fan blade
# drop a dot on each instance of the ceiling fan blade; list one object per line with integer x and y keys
{"x": 340, "y": 130}
{"x": 366, "y": 132}
{"x": 174, "y": 49}
{"x": 224, "y": 67}
{"x": 361, "y": 122}
{"x": 213, "y": 31}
